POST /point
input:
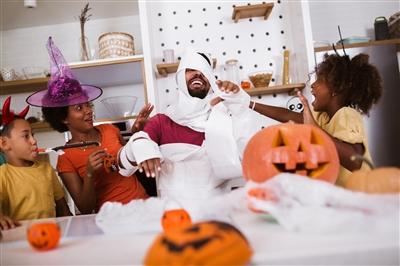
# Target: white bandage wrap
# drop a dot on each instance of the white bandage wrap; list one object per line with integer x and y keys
{"x": 236, "y": 102}
{"x": 138, "y": 149}
{"x": 128, "y": 169}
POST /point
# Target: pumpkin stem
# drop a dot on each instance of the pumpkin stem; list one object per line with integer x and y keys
{"x": 357, "y": 157}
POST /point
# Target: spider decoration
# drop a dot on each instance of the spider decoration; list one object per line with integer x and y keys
{"x": 294, "y": 104}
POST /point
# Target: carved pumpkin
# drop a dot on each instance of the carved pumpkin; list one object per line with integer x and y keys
{"x": 44, "y": 236}
{"x": 294, "y": 148}
{"x": 378, "y": 180}
{"x": 205, "y": 243}
{"x": 176, "y": 218}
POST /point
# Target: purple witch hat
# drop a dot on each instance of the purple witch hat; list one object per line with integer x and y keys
{"x": 63, "y": 89}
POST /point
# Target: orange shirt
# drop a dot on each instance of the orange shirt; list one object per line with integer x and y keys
{"x": 108, "y": 186}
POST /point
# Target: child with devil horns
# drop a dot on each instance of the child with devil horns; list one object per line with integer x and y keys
{"x": 29, "y": 189}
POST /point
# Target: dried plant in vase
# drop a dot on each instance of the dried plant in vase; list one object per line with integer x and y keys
{"x": 84, "y": 43}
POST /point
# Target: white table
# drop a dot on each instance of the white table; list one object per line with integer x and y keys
{"x": 83, "y": 243}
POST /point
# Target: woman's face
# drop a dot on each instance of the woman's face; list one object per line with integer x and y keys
{"x": 322, "y": 95}
{"x": 80, "y": 117}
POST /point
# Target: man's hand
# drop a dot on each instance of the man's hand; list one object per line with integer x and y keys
{"x": 307, "y": 114}
{"x": 151, "y": 167}
{"x": 7, "y": 223}
{"x": 142, "y": 118}
{"x": 227, "y": 86}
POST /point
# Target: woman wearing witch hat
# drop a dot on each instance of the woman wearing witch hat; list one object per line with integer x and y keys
{"x": 66, "y": 106}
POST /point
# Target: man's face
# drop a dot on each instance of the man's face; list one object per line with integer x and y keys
{"x": 197, "y": 84}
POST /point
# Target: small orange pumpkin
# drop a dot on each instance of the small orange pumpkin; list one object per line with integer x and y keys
{"x": 379, "y": 180}
{"x": 44, "y": 236}
{"x": 176, "y": 218}
{"x": 110, "y": 163}
{"x": 205, "y": 243}
{"x": 294, "y": 148}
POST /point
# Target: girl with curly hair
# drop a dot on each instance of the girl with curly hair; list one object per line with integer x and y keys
{"x": 343, "y": 91}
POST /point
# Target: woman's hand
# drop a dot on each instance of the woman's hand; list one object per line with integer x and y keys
{"x": 142, "y": 118}
{"x": 308, "y": 118}
{"x": 95, "y": 161}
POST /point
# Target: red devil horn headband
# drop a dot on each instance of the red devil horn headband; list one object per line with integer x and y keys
{"x": 8, "y": 116}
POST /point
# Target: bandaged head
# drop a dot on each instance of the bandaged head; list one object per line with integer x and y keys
{"x": 188, "y": 110}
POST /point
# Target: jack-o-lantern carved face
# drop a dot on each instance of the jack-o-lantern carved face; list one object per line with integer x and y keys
{"x": 175, "y": 218}
{"x": 293, "y": 148}
{"x": 205, "y": 243}
{"x": 44, "y": 236}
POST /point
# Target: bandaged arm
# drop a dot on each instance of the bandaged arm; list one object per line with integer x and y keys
{"x": 138, "y": 149}
{"x": 243, "y": 124}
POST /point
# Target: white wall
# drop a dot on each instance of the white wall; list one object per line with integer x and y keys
{"x": 355, "y": 18}
{"x": 27, "y": 46}
{"x": 257, "y": 44}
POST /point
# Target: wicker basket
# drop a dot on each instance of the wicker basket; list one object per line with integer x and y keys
{"x": 116, "y": 44}
{"x": 394, "y": 26}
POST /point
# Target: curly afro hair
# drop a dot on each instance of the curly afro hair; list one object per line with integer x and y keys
{"x": 55, "y": 117}
{"x": 356, "y": 80}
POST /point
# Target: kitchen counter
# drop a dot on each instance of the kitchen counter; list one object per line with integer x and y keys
{"x": 84, "y": 243}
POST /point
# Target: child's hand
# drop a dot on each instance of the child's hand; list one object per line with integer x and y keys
{"x": 7, "y": 223}
{"x": 142, "y": 118}
{"x": 95, "y": 161}
{"x": 307, "y": 114}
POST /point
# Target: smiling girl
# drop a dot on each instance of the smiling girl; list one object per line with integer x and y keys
{"x": 344, "y": 90}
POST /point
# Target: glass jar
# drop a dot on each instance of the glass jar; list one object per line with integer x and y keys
{"x": 232, "y": 71}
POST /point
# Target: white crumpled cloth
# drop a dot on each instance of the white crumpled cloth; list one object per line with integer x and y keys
{"x": 303, "y": 204}
{"x": 143, "y": 216}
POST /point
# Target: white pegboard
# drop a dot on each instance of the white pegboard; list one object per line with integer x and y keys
{"x": 256, "y": 43}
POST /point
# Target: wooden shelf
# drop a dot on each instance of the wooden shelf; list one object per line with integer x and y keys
{"x": 251, "y": 11}
{"x": 19, "y": 86}
{"x": 275, "y": 89}
{"x": 41, "y": 127}
{"x": 166, "y": 68}
{"x": 83, "y": 71}
{"x": 356, "y": 45}
{"x": 106, "y": 62}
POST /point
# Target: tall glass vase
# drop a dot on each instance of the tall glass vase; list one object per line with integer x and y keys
{"x": 84, "y": 50}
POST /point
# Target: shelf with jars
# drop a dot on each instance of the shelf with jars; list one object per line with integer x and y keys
{"x": 96, "y": 72}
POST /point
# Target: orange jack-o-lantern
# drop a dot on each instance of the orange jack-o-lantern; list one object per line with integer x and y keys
{"x": 176, "y": 218}
{"x": 205, "y": 243}
{"x": 293, "y": 148}
{"x": 44, "y": 236}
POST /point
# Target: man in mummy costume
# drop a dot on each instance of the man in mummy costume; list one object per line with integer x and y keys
{"x": 195, "y": 147}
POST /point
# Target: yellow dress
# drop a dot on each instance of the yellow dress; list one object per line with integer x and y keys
{"x": 29, "y": 192}
{"x": 346, "y": 125}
